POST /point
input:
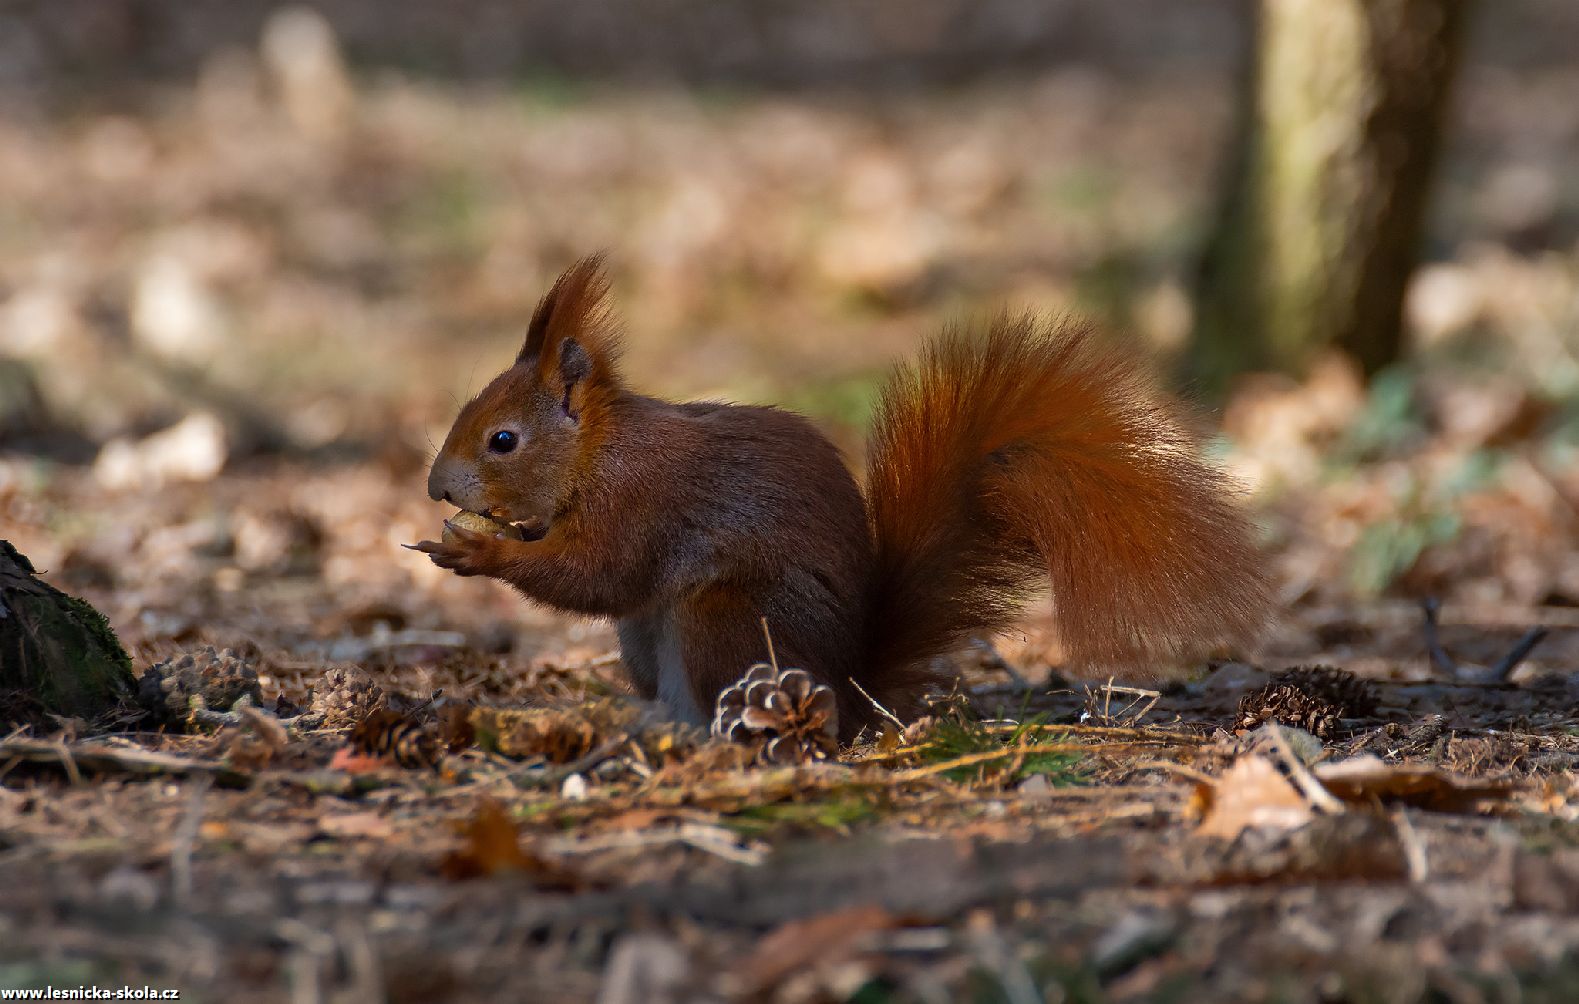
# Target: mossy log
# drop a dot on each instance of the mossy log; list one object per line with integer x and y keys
{"x": 57, "y": 654}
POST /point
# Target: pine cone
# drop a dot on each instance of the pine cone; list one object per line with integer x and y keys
{"x": 346, "y": 696}
{"x": 1313, "y": 698}
{"x": 410, "y": 743}
{"x": 789, "y": 717}
{"x": 220, "y": 678}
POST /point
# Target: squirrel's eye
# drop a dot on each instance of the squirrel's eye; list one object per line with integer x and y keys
{"x": 502, "y": 441}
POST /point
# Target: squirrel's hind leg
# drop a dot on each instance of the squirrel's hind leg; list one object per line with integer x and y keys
{"x": 719, "y": 630}
{"x": 639, "y": 636}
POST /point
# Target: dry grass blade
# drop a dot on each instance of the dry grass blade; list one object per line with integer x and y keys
{"x": 974, "y": 759}
{"x": 1116, "y": 731}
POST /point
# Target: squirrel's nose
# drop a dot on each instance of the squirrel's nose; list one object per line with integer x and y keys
{"x": 438, "y": 484}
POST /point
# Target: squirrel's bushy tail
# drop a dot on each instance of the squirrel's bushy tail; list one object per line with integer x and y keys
{"x": 1032, "y": 451}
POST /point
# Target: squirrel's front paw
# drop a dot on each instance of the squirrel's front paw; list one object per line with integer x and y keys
{"x": 463, "y": 551}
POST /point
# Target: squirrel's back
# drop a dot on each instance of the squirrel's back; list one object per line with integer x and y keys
{"x": 1029, "y": 452}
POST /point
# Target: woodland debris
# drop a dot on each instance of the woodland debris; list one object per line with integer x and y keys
{"x": 1255, "y": 794}
{"x": 1395, "y": 740}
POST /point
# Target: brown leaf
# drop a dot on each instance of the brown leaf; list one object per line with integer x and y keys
{"x": 493, "y": 847}
{"x": 349, "y": 760}
{"x": 1367, "y": 778}
{"x": 1251, "y": 794}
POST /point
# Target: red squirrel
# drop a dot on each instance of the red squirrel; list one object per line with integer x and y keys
{"x": 1004, "y": 457}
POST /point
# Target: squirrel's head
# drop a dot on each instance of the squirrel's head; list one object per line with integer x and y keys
{"x": 519, "y": 448}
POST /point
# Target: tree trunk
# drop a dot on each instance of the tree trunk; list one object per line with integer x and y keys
{"x": 1326, "y": 197}
{"x": 57, "y": 654}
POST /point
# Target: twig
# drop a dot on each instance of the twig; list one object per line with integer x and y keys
{"x": 880, "y": 709}
{"x": 1431, "y": 606}
{"x": 108, "y": 759}
{"x": 1414, "y": 849}
{"x": 68, "y": 762}
{"x": 1137, "y": 695}
{"x": 773, "y": 659}
{"x": 1301, "y": 774}
{"x": 1517, "y": 654}
{"x": 1497, "y": 674}
{"x": 1104, "y": 730}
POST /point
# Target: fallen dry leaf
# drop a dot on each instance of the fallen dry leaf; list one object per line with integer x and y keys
{"x": 1252, "y": 794}
{"x": 1367, "y": 778}
{"x": 493, "y": 846}
{"x": 349, "y": 760}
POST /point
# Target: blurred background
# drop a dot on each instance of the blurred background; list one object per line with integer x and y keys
{"x": 253, "y": 255}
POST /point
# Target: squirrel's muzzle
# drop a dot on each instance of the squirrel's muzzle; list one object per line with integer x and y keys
{"x": 449, "y": 483}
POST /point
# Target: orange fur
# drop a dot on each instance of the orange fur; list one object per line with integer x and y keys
{"x": 1031, "y": 452}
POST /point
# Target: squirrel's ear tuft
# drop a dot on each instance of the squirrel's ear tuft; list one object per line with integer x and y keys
{"x": 574, "y": 307}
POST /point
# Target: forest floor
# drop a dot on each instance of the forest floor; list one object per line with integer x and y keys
{"x": 304, "y": 299}
{"x": 1040, "y": 836}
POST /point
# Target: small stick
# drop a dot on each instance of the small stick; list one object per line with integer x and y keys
{"x": 1517, "y": 654}
{"x": 880, "y": 709}
{"x": 1433, "y": 642}
{"x": 1155, "y": 734}
{"x": 773, "y": 658}
{"x": 1301, "y": 774}
{"x": 1414, "y": 849}
{"x": 69, "y": 763}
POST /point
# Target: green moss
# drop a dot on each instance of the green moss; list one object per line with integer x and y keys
{"x": 953, "y": 739}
